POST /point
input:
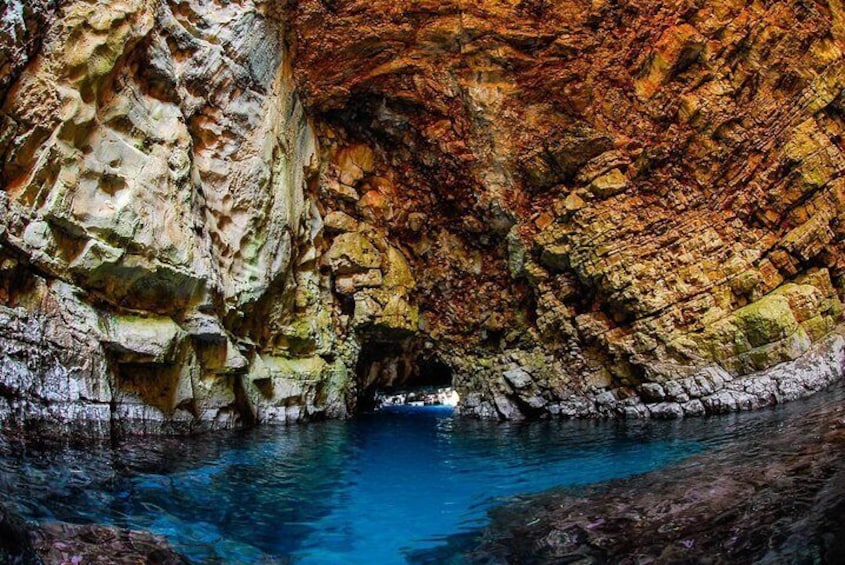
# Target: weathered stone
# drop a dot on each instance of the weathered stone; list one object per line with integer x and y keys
{"x": 157, "y": 160}
{"x": 767, "y": 320}
{"x": 351, "y": 253}
{"x": 95, "y": 257}
{"x": 606, "y": 399}
{"x": 574, "y": 202}
{"x": 666, "y": 410}
{"x": 675, "y": 391}
{"x": 204, "y": 327}
{"x": 354, "y": 162}
{"x": 374, "y": 206}
{"x": 399, "y": 316}
{"x": 507, "y": 409}
{"x": 416, "y": 221}
{"x": 495, "y": 194}
{"x": 350, "y": 283}
{"x": 397, "y": 271}
{"x": 138, "y": 340}
{"x": 517, "y": 378}
{"x": 721, "y": 403}
{"x": 609, "y": 184}
{"x": 340, "y": 221}
{"x": 59, "y": 542}
{"x": 652, "y": 392}
{"x": 693, "y": 408}
{"x": 676, "y": 48}
{"x": 342, "y": 191}
{"x": 282, "y": 390}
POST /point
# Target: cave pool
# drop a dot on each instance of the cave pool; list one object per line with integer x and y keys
{"x": 379, "y": 489}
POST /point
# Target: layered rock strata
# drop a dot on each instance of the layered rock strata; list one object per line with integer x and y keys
{"x": 217, "y": 214}
{"x": 609, "y": 208}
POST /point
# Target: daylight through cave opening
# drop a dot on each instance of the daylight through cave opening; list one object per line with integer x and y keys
{"x": 399, "y": 373}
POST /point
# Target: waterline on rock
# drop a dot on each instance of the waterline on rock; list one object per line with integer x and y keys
{"x": 421, "y": 396}
{"x": 377, "y": 489}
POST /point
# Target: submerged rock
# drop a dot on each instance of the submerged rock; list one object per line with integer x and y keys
{"x": 69, "y": 543}
{"x": 780, "y": 500}
{"x": 57, "y": 543}
{"x": 15, "y": 543}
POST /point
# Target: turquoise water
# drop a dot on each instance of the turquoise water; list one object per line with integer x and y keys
{"x": 384, "y": 488}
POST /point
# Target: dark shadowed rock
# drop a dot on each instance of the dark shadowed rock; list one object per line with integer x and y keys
{"x": 779, "y": 499}
{"x": 56, "y": 543}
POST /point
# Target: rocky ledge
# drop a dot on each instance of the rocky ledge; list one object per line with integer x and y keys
{"x": 779, "y": 498}
{"x": 712, "y": 390}
{"x": 68, "y": 544}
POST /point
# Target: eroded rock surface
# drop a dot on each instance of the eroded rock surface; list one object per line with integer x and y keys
{"x": 252, "y": 211}
{"x": 613, "y": 199}
{"x": 22, "y": 543}
{"x": 775, "y": 499}
{"x": 154, "y": 159}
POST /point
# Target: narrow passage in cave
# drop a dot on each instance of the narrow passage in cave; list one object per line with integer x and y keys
{"x": 397, "y": 374}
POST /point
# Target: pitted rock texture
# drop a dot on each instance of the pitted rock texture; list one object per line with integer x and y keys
{"x": 597, "y": 200}
{"x": 217, "y": 213}
{"x": 153, "y": 207}
{"x": 57, "y": 542}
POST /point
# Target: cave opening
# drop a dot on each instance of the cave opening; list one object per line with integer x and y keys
{"x": 390, "y": 374}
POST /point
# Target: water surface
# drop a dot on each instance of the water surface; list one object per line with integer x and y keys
{"x": 378, "y": 489}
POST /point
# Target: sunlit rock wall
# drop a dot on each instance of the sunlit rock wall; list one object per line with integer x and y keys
{"x": 154, "y": 163}
{"x": 216, "y": 213}
{"x": 625, "y": 208}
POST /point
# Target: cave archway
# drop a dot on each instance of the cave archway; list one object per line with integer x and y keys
{"x": 391, "y": 368}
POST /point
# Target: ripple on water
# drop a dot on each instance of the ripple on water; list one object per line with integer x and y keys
{"x": 372, "y": 490}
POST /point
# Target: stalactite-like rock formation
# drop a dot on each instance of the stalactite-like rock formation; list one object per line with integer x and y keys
{"x": 262, "y": 211}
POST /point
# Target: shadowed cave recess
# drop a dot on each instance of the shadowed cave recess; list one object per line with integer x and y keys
{"x": 388, "y": 376}
{"x": 219, "y": 214}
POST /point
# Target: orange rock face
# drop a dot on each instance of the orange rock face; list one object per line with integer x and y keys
{"x": 253, "y": 211}
{"x": 601, "y": 194}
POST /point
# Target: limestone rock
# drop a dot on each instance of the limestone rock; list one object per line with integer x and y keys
{"x": 356, "y": 281}
{"x": 340, "y": 221}
{"x": 136, "y": 340}
{"x": 154, "y": 172}
{"x": 218, "y": 213}
{"x": 649, "y": 227}
{"x": 608, "y": 184}
{"x": 352, "y": 253}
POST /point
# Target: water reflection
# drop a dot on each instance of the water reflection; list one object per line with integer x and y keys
{"x": 368, "y": 491}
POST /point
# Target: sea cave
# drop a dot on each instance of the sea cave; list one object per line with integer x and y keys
{"x": 502, "y": 281}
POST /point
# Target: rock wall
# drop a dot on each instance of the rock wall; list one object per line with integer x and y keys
{"x": 218, "y": 213}
{"x": 154, "y": 162}
{"x": 609, "y": 208}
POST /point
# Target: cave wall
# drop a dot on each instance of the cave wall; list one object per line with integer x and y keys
{"x": 154, "y": 162}
{"x": 610, "y": 207}
{"x": 617, "y": 209}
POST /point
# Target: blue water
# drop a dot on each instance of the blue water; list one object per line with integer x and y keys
{"x": 373, "y": 490}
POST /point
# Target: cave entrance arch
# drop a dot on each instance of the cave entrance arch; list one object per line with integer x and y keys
{"x": 398, "y": 368}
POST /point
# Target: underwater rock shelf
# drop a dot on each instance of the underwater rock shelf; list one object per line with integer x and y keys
{"x": 422, "y": 486}
{"x": 25, "y": 544}
{"x": 775, "y": 497}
